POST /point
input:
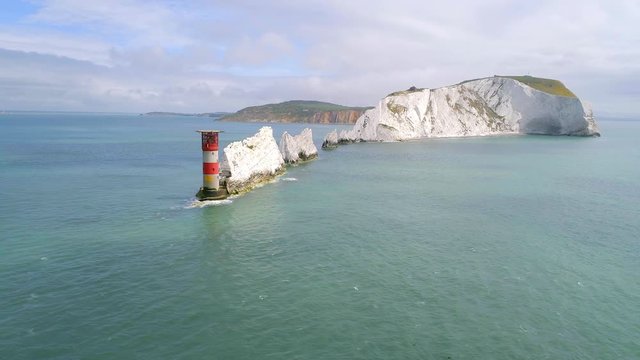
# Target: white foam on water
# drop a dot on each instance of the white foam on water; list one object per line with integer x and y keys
{"x": 197, "y": 204}
{"x": 289, "y": 179}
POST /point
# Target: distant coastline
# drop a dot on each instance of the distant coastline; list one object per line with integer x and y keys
{"x": 293, "y": 111}
{"x": 164, "y": 113}
{"x": 299, "y": 111}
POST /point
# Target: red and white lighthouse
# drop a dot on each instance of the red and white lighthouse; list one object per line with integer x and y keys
{"x": 211, "y": 189}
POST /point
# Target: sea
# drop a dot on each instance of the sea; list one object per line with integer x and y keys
{"x": 512, "y": 247}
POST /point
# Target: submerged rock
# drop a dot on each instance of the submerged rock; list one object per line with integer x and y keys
{"x": 252, "y": 161}
{"x": 331, "y": 140}
{"x": 299, "y": 147}
{"x": 490, "y": 106}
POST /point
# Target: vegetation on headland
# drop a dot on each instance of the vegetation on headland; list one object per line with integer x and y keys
{"x": 404, "y": 92}
{"x": 299, "y": 111}
{"x": 550, "y": 86}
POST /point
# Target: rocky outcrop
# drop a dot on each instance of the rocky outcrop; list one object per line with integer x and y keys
{"x": 252, "y": 161}
{"x": 331, "y": 140}
{"x": 490, "y": 106}
{"x": 298, "y": 148}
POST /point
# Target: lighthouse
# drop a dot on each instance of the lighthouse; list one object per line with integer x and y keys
{"x": 211, "y": 189}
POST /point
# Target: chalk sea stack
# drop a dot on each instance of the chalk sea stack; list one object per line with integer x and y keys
{"x": 299, "y": 147}
{"x": 489, "y": 106}
{"x": 252, "y": 161}
{"x": 331, "y": 140}
{"x": 258, "y": 159}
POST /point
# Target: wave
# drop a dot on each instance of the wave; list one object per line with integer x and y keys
{"x": 196, "y": 204}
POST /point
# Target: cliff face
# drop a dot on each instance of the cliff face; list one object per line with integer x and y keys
{"x": 490, "y": 106}
{"x": 335, "y": 117}
{"x": 319, "y": 117}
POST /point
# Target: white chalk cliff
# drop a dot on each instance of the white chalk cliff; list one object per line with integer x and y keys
{"x": 252, "y": 161}
{"x": 489, "y": 106}
{"x": 299, "y": 147}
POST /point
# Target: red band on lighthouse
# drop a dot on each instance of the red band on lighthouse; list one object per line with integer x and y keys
{"x": 210, "y": 141}
{"x": 210, "y": 168}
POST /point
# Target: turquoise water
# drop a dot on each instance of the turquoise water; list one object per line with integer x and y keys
{"x": 523, "y": 247}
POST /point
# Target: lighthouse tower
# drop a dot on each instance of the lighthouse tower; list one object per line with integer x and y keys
{"x": 211, "y": 189}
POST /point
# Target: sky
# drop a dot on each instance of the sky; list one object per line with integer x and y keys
{"x": 207, "y": 55}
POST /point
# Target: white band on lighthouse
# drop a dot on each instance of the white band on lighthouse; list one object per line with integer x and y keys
{"x": 210, "y": 156}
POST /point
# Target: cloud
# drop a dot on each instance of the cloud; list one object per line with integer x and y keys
{"x": 262, "y": 50}
{"x": 126, "y": 22}
{"x": 78, "y": 47}
{"x": 133, "y": 55}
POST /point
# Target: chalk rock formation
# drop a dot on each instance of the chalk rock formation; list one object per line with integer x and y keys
{"x": 299, "y": 147}
{"x": 489, "y": 106}
{"x": 252, "y": 161}
{"x": 331, "y": 140}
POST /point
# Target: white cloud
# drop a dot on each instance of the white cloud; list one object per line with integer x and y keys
{"x": 262, "y": 50}
{"x": 54, "y": 43}
{"x": 129, "y": 22}
{"x": 216, "y": 55}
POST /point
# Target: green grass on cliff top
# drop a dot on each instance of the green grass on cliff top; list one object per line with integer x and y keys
{"x": 550, "y": 86}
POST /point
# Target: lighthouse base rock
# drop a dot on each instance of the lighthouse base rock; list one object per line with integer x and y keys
{"x": 489, "y": 106}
